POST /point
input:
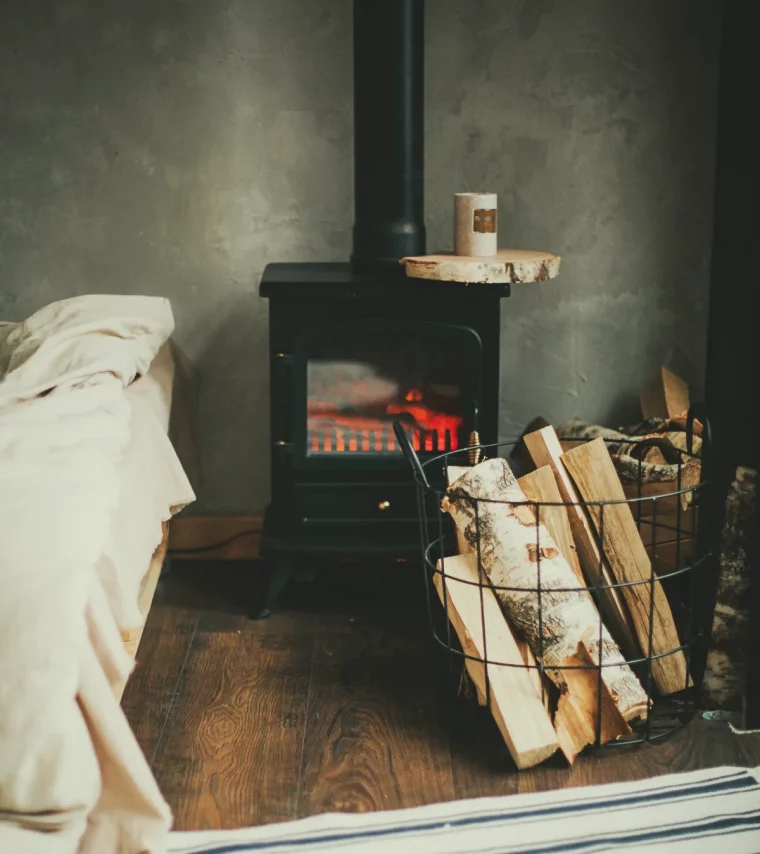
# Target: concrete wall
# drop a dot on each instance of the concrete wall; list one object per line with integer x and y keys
{"x": 176, "y": 147}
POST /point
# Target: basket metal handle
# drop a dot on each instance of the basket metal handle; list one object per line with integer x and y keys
{"x": 409, "y": 453}
{"x": 697, "y": 411}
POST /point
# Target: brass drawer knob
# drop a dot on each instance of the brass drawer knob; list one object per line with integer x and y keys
{"x": 384, "y": 505}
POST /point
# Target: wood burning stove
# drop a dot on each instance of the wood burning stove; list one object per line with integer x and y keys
{"x": 350, "y": 353}
{"x": 354, "y": 347}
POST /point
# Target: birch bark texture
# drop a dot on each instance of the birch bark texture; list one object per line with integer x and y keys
{"x": 452, "y": 473}
{"x": 492, "y": 514}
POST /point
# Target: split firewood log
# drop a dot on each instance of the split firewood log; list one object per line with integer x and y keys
{"x": 520, "y": 459}
{"x": 584, "y": 715}
{"x": 591, "y": 468}
{"x": 545, "y": 449}
{"x": 724, "y": 680}
{"x": 517, "y": 552}
{"x": 580, "y": 718}
{"x": 677, "y": 439}
{"x": 485, "y": 636}
{"x": 666, "y": 395}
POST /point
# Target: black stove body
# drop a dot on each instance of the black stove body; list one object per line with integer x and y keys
{"x": 355, "y": 346}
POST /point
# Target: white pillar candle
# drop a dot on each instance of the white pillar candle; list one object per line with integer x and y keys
{"x": 475, "y": 226}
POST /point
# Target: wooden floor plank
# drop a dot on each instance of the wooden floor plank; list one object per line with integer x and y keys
{"x": 481, "y": 764}
{"x": 232, "y": 745}
{"x": 339, "y": 701}
{"x": 375, "y": 738}
{"x": 161, "y": 656}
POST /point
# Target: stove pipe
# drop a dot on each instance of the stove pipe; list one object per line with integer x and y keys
{"x": 388, "y": 132}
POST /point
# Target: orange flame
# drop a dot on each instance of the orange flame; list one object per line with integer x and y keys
{"x": 332, "y": 430}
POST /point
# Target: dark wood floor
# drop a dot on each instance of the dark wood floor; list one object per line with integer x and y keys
{"x": 337, "y": 702}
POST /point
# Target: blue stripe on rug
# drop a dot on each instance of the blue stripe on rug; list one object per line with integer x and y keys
{"x": 652, "y": 793}
{"x": 720, "y": 828}
{"x": 696, "y": 829}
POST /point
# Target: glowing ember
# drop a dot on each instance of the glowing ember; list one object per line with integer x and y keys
{"x": 341, "y": 429}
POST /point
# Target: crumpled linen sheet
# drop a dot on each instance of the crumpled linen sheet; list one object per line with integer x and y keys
{"x": 72, "y": 776}
{"x": 154, "y": 487}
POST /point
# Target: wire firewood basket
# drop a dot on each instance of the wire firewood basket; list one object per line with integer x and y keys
{"x": 570, "y": 616}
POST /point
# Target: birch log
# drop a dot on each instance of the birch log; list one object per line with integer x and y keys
{"x": 663, "y": 425}
{"x": 514, "y": 548}
{"x": 724, "y": 681}
{"x": 541, "y": 486}
{"x": 453, "y": 473}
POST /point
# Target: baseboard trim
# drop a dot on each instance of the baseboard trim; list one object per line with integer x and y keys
{"x": 195, "y": 532}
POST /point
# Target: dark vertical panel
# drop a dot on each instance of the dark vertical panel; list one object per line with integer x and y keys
{"x": 733, "y": 356}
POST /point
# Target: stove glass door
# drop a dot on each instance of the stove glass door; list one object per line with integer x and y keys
{"x": 359, "y": 379}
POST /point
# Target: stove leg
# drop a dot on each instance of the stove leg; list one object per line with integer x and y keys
{"x": 282, "y": 572}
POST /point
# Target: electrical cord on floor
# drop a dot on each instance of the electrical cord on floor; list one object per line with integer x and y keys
{"x": 213, "y": 546}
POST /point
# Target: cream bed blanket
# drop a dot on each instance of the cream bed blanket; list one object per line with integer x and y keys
{"x": 72, "y": 776}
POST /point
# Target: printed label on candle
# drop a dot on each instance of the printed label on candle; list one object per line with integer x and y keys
{"x": 484, "y": 221}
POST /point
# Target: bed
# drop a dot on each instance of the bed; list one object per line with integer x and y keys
{"x": 96, "y": 410}
{"x": 169, "y": 390}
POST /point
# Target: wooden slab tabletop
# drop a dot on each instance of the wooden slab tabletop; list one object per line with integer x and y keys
{"x": 508, "y": 266}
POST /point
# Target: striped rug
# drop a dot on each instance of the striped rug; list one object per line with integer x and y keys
{"x": 715, "y": 811}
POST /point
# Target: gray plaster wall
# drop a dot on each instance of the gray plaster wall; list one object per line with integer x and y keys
{"x": 176, "y": 147}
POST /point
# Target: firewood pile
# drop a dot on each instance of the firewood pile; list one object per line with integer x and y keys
{"x": 566, "y": 630}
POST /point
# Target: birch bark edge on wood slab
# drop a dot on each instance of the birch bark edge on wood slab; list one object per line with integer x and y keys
{"x": 513, "y": 548}
{"x": 523, "y": 721}
{"x": 593, "y": 473}
{"x": 508, "y": 266}
{"x": 544, "y": 448}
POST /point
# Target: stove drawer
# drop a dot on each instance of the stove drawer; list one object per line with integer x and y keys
{"x": 327, "y": 504}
